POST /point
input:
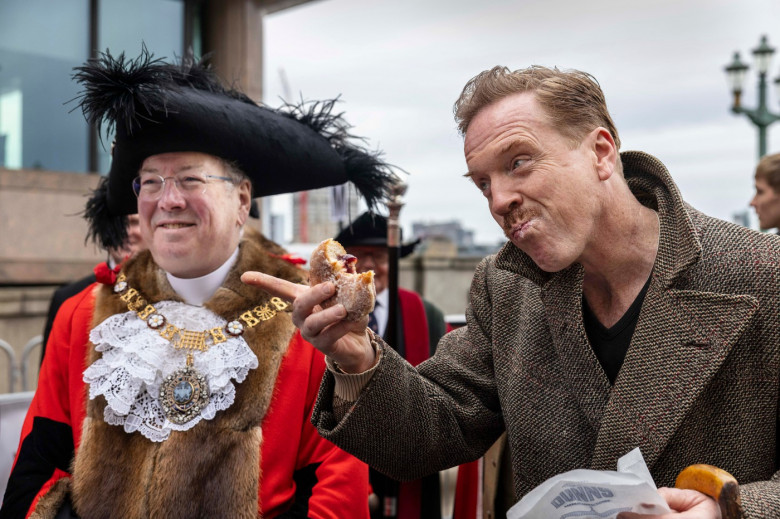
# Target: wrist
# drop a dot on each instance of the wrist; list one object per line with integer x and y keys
{"x": 369, "y": 360}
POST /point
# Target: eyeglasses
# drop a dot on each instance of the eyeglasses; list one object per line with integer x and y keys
{"x": 150, "y": 186}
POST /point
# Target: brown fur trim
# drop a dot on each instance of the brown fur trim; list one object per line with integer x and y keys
{"x": 49, "y": 504}
{"x": 120, "y": 474}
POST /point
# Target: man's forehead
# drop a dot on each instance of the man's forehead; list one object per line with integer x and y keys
{"x": 520, "y": 109}
{"x": 178, "y": 160}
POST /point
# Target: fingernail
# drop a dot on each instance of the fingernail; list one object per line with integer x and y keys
{"x": 342, "y": 312}
{"x": 329, "y": 289}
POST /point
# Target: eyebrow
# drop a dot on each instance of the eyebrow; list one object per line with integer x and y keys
{"x": 186, "y": 167}
{"x": 514, "y": 143}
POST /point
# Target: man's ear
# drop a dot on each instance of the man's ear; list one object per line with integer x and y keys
{"x": 245, "y": 201}
{"x": 605, "y": 153}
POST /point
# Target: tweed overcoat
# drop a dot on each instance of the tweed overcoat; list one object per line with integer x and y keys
{"x": 699, "y": 383}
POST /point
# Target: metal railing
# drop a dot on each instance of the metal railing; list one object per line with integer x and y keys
{"x": 17, "y": 370}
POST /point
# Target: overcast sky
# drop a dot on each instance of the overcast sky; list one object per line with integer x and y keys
{"x": 399, "y": 65}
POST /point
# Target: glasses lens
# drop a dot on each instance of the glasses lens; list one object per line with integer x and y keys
{"x": 149, "y": 186}
{"x": 192, "y": 183}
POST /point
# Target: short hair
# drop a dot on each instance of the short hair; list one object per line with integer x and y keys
{"x": 234, "y": 171}
{"x": 769, "y": 169}
{"x": 573, "y": 100}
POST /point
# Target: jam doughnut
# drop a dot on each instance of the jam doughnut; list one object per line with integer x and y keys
{"x": 330, "y": 262}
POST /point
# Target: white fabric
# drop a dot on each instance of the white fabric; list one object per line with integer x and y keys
{"x": 381, "y": 307}
{"x": 196, "y": 291}
{"x": 136, "y": 359}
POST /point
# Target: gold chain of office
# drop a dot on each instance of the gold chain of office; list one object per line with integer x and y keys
{"x": 185, "y": 339}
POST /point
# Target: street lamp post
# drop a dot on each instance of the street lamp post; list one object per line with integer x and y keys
{"x": 761, "y": 116}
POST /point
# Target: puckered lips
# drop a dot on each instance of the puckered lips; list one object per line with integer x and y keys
{"x": 518, "y": 230}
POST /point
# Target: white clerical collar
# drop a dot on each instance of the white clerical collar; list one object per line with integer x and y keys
{"x": 196, "y": 291}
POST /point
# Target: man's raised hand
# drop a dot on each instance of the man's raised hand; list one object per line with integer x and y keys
{"x": 345, "y": 342}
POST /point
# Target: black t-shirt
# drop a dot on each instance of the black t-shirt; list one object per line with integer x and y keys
{"x": 611, "y": 344}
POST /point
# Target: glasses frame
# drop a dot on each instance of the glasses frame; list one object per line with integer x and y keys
{"x": 177, "y": 183}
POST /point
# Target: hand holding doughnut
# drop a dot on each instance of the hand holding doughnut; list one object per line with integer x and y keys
{"x": 324, "y": 320}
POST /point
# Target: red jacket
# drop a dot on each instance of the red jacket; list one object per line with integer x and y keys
{"x": 290, "y": 443}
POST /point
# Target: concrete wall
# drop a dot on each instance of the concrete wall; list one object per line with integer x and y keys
{"x": 41, "y": 229}
{"x": 444, "y": 281}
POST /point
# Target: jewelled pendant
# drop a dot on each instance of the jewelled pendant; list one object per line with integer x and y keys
{"x": 183, "y": 394}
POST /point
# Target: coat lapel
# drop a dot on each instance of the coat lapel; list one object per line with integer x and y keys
{"x": 563, "y": 307}
{"x": 681, "y": 341}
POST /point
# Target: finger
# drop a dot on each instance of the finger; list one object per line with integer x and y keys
{"x": 683, "y": 499}
{"x": 314, "y": 323}
{"x": 310, "y": 301}
{"x": 278, "y": 287}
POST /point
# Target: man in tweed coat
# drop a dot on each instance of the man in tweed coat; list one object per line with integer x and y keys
{"x": 617, "y": 317}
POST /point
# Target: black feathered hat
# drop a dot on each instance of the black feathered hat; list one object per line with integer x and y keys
{"x": 371, "y": 230}
{"x": 157, "y": 107}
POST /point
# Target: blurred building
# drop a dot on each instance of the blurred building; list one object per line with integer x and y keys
{"x": 50, "y": 158}
{"x": 452, "y": 231}
{"x": 322, "y": 213}
{"x": 445, "y": 239}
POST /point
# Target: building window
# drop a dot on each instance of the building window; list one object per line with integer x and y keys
{"x": 125, "y": 26}
{"x": 40, "y": 43}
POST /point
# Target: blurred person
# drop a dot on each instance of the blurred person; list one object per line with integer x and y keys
{"x": 617, "y": 316}
{"x": 420, "y": 326}
{"x": 115, "y": 258}
{"x": 484, "y": 487}
{"x": 197, "y": 392}
{"x": 766, "y": 201}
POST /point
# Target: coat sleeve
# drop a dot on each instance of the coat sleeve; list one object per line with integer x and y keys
{"x": 446, "y": 408}
{"x": 46, "y": 447}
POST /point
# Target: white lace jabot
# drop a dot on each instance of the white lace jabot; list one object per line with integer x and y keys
{"x": 136, "y": 359}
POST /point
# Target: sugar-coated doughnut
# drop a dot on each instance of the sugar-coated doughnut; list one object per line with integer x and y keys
{"x": 330, "y": 262}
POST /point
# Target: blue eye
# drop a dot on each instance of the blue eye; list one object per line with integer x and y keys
{"x": 482, "y": 185}
{"x": 516, "y": 163}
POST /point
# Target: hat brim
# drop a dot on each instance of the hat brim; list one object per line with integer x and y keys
{"x": 273, "y": 150}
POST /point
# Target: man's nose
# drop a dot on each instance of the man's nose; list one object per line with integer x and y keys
{"x": 171, "y": 196}
{"x": 504, "y": 195}
{"x": 365, "y": 263}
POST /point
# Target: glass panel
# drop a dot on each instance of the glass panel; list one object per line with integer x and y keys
{"x": 40, "y": 43}
{"x": 124, "y": 26}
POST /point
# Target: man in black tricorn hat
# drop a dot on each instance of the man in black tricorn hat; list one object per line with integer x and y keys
{"x": 420, "y": 326}
{"x": 197, "y": 392}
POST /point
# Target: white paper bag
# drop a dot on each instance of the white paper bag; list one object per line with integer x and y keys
{"x": 583, "y": 493}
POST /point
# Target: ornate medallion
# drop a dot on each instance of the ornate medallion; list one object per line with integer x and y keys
{"x": 183, "y": 394}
